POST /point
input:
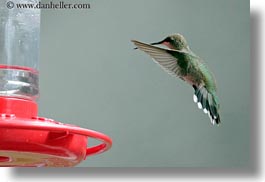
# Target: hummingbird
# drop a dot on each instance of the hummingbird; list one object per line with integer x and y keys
{"x": 178, "y": 60}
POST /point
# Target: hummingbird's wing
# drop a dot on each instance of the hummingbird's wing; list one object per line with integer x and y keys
{"x": 162, "y": 57}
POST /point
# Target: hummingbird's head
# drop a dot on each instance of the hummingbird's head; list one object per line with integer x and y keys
{"x": 176, "y": 41}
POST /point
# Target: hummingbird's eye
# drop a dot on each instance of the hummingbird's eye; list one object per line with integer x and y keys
{"x": 168, "y": 39}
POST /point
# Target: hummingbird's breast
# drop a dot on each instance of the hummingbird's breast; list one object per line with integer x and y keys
{"x": 192, "y": 72}
{"x": 193, "y": 79}
{"x": 189, "y": 79}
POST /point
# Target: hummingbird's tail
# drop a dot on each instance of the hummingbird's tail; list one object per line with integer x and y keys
{"x": 208, "y": 102}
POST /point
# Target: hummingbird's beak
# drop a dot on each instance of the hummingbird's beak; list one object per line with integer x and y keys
{"x": 156, "y": 43}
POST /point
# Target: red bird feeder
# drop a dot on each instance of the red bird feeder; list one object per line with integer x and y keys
{"x": 26, "y": 139}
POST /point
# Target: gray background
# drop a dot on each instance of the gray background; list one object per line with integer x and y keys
{"x": 92, "y": 77}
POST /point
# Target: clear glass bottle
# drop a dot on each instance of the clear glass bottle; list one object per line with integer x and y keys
{"x": 19, "y": 50}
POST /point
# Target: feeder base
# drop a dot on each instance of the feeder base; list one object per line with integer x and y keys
{"x": 42, "y": 142}
{"x": 29, "y": 159}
